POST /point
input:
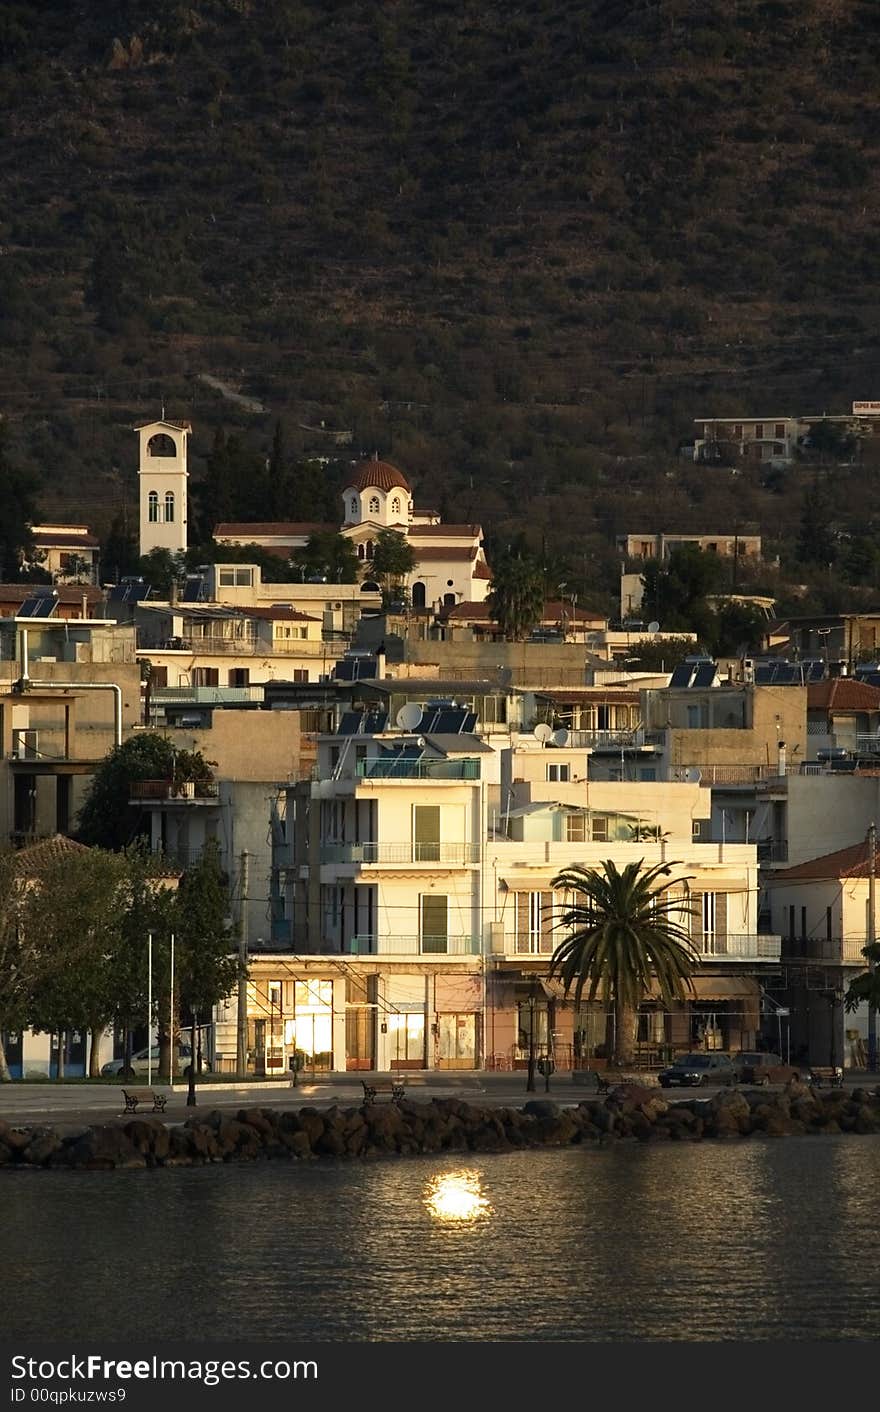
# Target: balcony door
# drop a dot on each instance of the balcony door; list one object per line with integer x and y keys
{"x": 434, "y": 912}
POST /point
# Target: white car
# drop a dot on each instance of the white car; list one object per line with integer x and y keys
{"x": 139, "y": 1061}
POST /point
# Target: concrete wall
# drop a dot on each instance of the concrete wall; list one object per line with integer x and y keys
{"x": 247, "y": 745}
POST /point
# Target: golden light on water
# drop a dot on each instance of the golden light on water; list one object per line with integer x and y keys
{"x": 456, "y": 1196}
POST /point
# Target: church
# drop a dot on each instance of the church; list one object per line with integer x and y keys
{"x": 450, "y": 564}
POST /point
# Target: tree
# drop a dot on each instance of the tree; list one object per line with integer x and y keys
{"x": 393, "y": 559}
{"x": 675, "y": 590}
{"x": 516, "y": 598}
{"x": 816, "y": 540}
{"x": 865, "y": 988}
{"x": 830, "y": 441}
{"x": 624, "y": 937}
{"x": 119, "y": 555}
{"x": 17, "y": 496}
{"x": 71, "y": 916}
{"x": 208, "y": 962}
{"x": 16, "y": 956}
{"x": 108, "y": 819}
{"x": 148, "y": 909}
{"x": 161, "y": 569}
{"x": 331, "y": 554}
{"x": 737, "y": 626}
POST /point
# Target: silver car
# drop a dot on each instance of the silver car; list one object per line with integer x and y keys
{"x": 147, "y": 1060}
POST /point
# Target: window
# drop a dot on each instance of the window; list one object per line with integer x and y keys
{"x": 599, "y": 830}
{"x": 374, "y": 504}
{"x": 803, "y": 924}
{"x": 235, "y": 578}
{"x": 169, "y": 507}
{"x": 395, "y": 506}
{"x": 534, "y": 923}
{"x": 434, "y": 909}
{"x": 645, "y": 549}
{"x": 426, "y": 833}
{"x": 153, "y": 504}
{"x": 779, "y": 429}
{"x": 353, "y": 505}
{"x": 558, "y": 774}
{"x": 576, "y": 828}
{"x": 205, "y": 676}
{"x": 300, "y": 674}
{"x": 239, "y": 676}
{"x": 695, "y": 829}
{"x": 828, "y": 924}
{"x": 759, "y": 431}
{"x": 738, "y": 431}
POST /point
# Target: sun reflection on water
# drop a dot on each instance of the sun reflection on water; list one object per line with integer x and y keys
{"x": 456, "y": 1196}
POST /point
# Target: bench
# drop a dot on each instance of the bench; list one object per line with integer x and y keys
{"x": 134, "y": 1096}
{"x": 602, "y": 1085}
{"x": 827, "y": 1074}
{"x": 395, "y": 1087}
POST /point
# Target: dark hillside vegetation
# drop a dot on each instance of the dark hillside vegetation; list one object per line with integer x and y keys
{"x": 516, "y": 248}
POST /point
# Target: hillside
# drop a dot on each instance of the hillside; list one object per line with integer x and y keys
{"x": 517, "y": 249}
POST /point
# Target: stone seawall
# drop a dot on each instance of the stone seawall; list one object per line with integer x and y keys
{"x": 442, "y": 1125}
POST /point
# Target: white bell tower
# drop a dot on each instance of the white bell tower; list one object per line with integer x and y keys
{"x": 162, "y": 477}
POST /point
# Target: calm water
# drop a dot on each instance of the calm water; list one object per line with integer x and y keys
{"x": 764, "y": 1240}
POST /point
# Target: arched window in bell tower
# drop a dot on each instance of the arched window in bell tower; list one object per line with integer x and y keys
{"x": 374, "y": 504}
{"x": 169, "y": 507}
{"x": 395, "y": 505}
{"x": 153, "y": 507}
{"x": 353, "y": 505}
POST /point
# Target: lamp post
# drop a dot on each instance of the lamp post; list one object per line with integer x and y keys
{"x": 191, "y": 1090}
{"x": 530, "y": 1080}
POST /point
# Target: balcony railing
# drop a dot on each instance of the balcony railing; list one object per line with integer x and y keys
{"x": 415, "y": 854}
{"x": 405, "y": 767}
{"x": 739, "y": 946}
{"x": 840, "y": 951}
{"x": 606, "y": 740}
{"x": 365, "y": 945}
{"x": 770, "y": 852}
{"x": 166, "y": 789}
{"x": 205, "y": 695}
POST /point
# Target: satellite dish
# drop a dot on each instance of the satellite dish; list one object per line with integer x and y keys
{"x": 653, "y": 627}
{"x": 542, "y": 733}
{"x": 409, "y": 716}
{"x": 561, "y": 737}
{"x": 693, "y": 775}
{"x": 421, "y": 742}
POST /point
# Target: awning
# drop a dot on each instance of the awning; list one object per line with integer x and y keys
{"x": 725, "y": 988}
{"x": 537, "y": 881}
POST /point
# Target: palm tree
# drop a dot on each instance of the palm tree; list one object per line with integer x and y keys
{"x": 624, "y": 935}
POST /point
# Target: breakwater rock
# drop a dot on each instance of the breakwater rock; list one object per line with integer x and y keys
{"x": 441, "y": 1125}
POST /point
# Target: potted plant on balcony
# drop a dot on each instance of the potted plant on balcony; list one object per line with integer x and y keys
{"x": 191, "y": 769}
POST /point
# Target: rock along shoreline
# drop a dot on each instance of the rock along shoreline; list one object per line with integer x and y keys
{"x": 630, "y": 1112}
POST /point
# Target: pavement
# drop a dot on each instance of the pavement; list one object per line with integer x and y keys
{"x": 61, "y": 1105}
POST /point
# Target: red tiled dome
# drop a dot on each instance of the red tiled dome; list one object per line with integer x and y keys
{"x": 378, "y": 474}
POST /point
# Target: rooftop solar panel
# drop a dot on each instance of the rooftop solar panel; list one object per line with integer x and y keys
{"x": 39, "y": 605}
{"x": 681, "y": 675}
{"x": 704, "y": 674}
{"x": 195, "y": 589}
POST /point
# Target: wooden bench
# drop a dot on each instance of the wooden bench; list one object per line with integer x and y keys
{"x": 820, "y": 1074}
{"x": 395, "y": 1087}
{"x": 602, "y": 1084}
{"x": 134, "y": 1096}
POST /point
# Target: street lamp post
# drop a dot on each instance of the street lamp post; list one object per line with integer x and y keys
{"x": 530, "y": 1081}
{"x": 191, "y": 1090}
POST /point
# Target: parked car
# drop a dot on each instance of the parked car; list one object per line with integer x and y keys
{"x": 139, "y": 1061}
{"x": 698, "y": 1071}
{"x": 753, "y": 1067}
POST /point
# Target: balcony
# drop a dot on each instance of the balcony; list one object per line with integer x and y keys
{"x": 198, "y": 790}
{"x": 770, "y": 852}
{"x": 608, "y": 740}
{"x": 839, "y": 951}
{"x": 739, "y": 946}
{"x": 206, "y": 695}
{"x": 417, "y": 855}
{"x": 363, "y": 945}
{"x": 406, "y": 767}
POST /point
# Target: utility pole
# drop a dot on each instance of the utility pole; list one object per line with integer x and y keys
{"x": 871, "y": 937}
{"x": 241, "y": 1030}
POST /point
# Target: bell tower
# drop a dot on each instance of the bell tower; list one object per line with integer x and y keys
{"x": 162, "y": 478}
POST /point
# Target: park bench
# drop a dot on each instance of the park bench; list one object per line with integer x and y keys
{"x": 134, "y": 1096}
{"x": 395, "y": 1087}
{"x": 827, "y": 1073}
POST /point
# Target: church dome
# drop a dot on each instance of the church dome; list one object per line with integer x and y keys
{"x": 379, "y": 475}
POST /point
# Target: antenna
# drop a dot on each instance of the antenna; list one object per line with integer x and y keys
{"x": 561, "y": 737}
{"x": 409, "y": 716}
{"x": 542, "y": 733}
